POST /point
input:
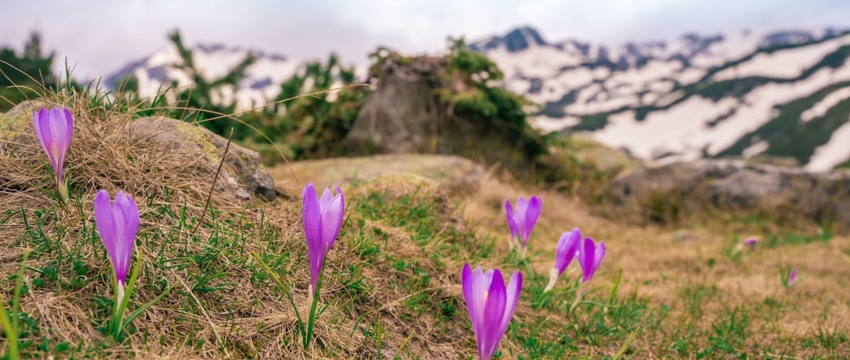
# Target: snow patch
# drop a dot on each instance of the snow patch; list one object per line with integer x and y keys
{"x": 755, "y": 149}
{"x": 834, "y": 152}
{"x": 825, "y": 104}
{"x": 783, "y": 64}
{"x": 546, "y": 124}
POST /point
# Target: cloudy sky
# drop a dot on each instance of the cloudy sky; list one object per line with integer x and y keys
{"x": 99, "y": 36}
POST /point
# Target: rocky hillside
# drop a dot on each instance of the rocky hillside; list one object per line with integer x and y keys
{"x": 743, "y": 94}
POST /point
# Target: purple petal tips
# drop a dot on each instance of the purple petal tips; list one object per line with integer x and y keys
{"x": 522, "y": 220}
{"x": 491, "y": 305}
{"x": 322, "y": 222}
{"x": 566, "y": 250}
{"x": 54, "y": 129}
{"x": 751, "y": 243}
{"x": 117, "y": 223}
{"x": 590, "y": 256}
{"x": 792, "y": 277}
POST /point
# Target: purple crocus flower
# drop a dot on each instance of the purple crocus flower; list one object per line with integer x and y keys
{"x": 589, "y": 257}
{"x": 564, "y": 254}
{"x": 521, "y": 220}
{"x": 322, "y": 221}
{"x": 117, "y": 223}
{"x": 54, "y": 129}
{"x": 491, "y": 305}
{"x": 751, "y": 243}
{"x": 792, "y": 277}
{"x": 566, "y": 251}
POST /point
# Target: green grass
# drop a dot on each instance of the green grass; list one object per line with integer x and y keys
{"x": 391, "y": 285}
{"x": 401, "y": 244}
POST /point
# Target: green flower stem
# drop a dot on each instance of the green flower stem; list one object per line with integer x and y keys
{"x": 122, "y": 297}
{"x": 313, "y": 307}
{"x": 579, "y": 294}
{"x": 63, "y": 189}
{"x": 306, "y": 334}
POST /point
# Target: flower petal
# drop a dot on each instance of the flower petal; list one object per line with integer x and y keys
{"x": 104, "y": 222}
{"x": 126, "y": 216}
{"x": 531, "y": 215}
{"x": 69, "y": 129}
{"x": 512, "y": 225}
{"x": 467, "y": 283}
{"x": 480, "y": 286}
{"x": 37, "y": 117}
{"x": 332, "y": 217}
{"x": 325, "y": 199}
{"x": 567, "y": 246}
{"x": 312, "y": 217}
{"x": 494, "y": 312}
{"x": 41, "y": 123}
{"x": 513, "y": 290}
{"x": 600, "y": 254}
{"x": 586, "y": 255}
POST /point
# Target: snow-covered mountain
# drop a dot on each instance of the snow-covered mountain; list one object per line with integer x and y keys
{"x": 260, "y": 85}
{"x": 744, "y": 94}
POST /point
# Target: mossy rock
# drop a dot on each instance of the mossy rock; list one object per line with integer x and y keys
{"x": 242, "y": 170}
{"x": 17, "y": 121}
{"x": 243, "y": 173}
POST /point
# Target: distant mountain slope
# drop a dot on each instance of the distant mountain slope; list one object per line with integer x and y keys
{"x": 781, "y": 94}
{"x": 260, "y": 85}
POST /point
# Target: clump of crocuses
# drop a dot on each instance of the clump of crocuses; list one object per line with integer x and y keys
{"x": 522, "y": 219}
{"x": 54, "y": 129}
{"x": 491, "y": 305}
{"x": 566, "y": 251}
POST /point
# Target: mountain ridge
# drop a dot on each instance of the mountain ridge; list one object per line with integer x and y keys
{"x": 696, "y": 96}
{"x": 740, "y": 94}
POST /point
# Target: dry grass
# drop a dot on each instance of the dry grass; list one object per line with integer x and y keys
{"x": 392, "y": 282}
{"x": 220, "y": 304}
{"x": 693, "y": 278}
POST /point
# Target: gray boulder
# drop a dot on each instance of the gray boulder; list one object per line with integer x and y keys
{"x": 405, "y": 115}
{"x": 243, "y": 170}
{"x": 689, "y": 188}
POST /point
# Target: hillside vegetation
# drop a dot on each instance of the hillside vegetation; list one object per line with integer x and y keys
{"x": 215, "y": 270}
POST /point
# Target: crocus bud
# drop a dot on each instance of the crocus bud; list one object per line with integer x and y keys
{"x": 117, "y": 223}
{"x": 491, "y": 305}
{"x": 566, "y": 251}
{"x": 322, "y": 222}
{"x": 54, "y": 129}
{"x": 522, "y": 220}
{"x": 590, "y": 256}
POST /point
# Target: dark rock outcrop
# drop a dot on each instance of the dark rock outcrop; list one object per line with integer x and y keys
{"x": 405, "y": 115}
{"x": 689, "y": 188}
